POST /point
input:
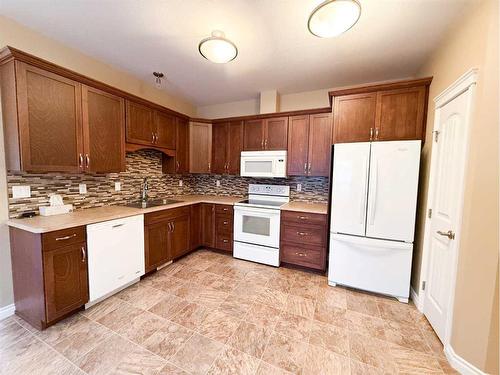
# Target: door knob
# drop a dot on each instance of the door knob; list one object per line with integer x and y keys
{"x": 450, "y": 234}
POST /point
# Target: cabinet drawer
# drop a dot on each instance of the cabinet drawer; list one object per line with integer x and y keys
{"x": 312, "y": 257}
{"x": 63, "y": 237}
{"x": 224, "y": 242}
{"x": 155, "y": 217}
{"x": 223, "y": 224}
{"x": 303, "y": 217}
{"x": 224, "y": 209}
{"x": 305, "y": 234}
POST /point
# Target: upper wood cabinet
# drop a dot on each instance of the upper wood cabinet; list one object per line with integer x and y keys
{"x": 385, "y": 112}
{"x": 140, "y": 124}
{"x": 103, "y": 131}
{"x": 266, "y": 134}
{"x": 200, "y": 147}
{"x": 180, "y": 162}
{"x": 309, "y": 145}
{"x": 227, "y": 142}
{"x": 55, "y": 124}
{"x": 165, "y": 130}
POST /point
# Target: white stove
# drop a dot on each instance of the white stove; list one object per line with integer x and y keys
{"x": 257, "y": 224}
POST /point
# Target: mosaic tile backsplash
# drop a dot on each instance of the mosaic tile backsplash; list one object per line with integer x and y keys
{"x": 140, "y": 164}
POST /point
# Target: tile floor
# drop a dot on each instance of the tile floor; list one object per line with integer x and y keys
{"x": 211, "y": 314}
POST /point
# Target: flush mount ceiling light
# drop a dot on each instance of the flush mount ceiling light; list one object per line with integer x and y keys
{"x": 333, "y": 17}
{"x": 158, "y": 76}
{"x": 217, "y": 48}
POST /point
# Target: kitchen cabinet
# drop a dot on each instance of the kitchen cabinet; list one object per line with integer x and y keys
{"x": 140, "y": 124}
{"x": 156, "y": 245}
{"x": 165, "y": 130}
{"x": 50, "y": 274}
{"x": 309, "y": 145}
{"x": 180, "y": 162}
{"x": 196, "y": 226}
{"x": 265, "y": 134}
{"x": 224, "y": 227}
{"x": 227, "y": 142}
{"x": 200, "y": 147}
{"x": 354, "y": 118}
{"x": 103, "y": 131}
{"x": 179, "y": 236}
{"x": 208, "y": 224}
{"x": 303, "y": 239}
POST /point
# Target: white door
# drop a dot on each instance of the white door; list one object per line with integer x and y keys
{"x": 349, "y": 187}
{"x": 258, "y": 226}
{"x": 446, "y": 182}
{"x": 392, "y": 191}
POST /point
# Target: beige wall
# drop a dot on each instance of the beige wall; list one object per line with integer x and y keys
{"x": 231, "y": 109}
{"x": 473, "y": 42}
{"x": 18, "y": 36}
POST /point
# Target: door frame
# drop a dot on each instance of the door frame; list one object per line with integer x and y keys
{"x": 465, "y": 84}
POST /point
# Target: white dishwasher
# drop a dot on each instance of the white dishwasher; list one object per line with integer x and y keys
{"x": 115, "y": 255}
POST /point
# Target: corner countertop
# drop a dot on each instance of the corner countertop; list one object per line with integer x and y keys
{"x": 309, "y": 207}
{"x": 43, "y": 224}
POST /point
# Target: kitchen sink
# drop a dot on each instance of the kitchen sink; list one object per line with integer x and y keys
{"x": 152, "y": 203}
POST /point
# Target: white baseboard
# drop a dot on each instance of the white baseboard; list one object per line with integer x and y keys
{"x": 7, "y": 311}
{"x": 460, "y": 364}
{"x": 415, "y": 299}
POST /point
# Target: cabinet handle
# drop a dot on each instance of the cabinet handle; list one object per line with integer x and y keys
{"x": 302, "y": 217}
{"x": 208, "y": 167}
{"x": 169, "y": 226}
{"x": 84, "y": 254}
{"x": 225, "y": 222}
{"x": 80, "y": 158}
{"x": 265, "y": 144}
{"x": 156, "y": 137}
{"x": 309, "y": 168}
{"x": 224, "y": 209}
{"x": 117, "y": 225}
{"x": 376, "y": 133}
{"x": 302, "y": 233}
{"x": 225, "y": 241}
{"x": 371, "y": 134}
{"x": 301, "y": 254}
{"x": 178, "y": 163}
{"x": 152, "y": 137}
{"x": 305, "y": 167}
{"x": 173, "y": 227}
{"x": 87, "y": 160}
{"x": 66, "y": 237}
{"x": 262, "y": 144}
{"x": 228, "y": 164}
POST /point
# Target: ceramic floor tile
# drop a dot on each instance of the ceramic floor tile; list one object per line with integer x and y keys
{"x": 324, "y": 362}
{"x": 218, "y": 326}
{"x": 371, "y": 351}
{"x": 223, "y": 284}
{"x": 188, "y": 291}
{"x": 142, "y": 297}
{"x": 330, "y": 337}
{"x": 446, "y": 367}
{"x": 258, "y": 278}
{"x": 197, "y": 354}
{"x": 248, "y": 290}
{"x": 304, "y": 289}
{"x": 433, "y": 342}
{"x": 359, "y": 368}
{"x": 236, "y": 306}
{"x": 205, "y": 278}
{"x": 211, "y": 298}
{"x": 280, "y": 283}
{"x": 333, "y": 296}
{"x": 250, "y": 338}
{"x": 168, "y": 307}
{"x": 268, "y": 369}
{"x": 264, "y": 315}
{"x": 218, "y": 269}
{"x": 285, "y": 353}
{"x": 102, "y": 308}
{"x": 186, "y": 273}
{"x": 366, "y": 325}
{"x": 11, "y": 332}
{"x": 139, "y": 361}
{"x": 272, "y": 297}
{"x": 119, "y": 317}
{"x": 406, "y": 336}
{"x": 171, "y": 369}
{"x": 300, "y": 306}
{"x": 191, "y": 316}
{"x": 293, "y": 326}
{"x": 331, "y": 315}
{"x": 167, "y": 340}
{"x": 231, "y": 361}
{"x": 398, "y": 312}
{"x": 141, "y": 327}
{"x": 359, "y": 303}
{"x": 167, "y": 284}
{"x": 235, "y": 273}
{"x": 412, "y": 362}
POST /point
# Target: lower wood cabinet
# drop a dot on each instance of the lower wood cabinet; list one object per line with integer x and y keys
{"x": 50, "y": 274}
{"x": 208, "y": 224}
{"x": 224, "y": 227}
{"x": 156, "y": 245}
{"x": 304, "y": 239}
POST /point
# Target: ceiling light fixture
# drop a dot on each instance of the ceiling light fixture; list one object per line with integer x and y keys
{"x": 217, "y": 48}
{"x": 158, "y": 77}
{"x": 333, "y": 17}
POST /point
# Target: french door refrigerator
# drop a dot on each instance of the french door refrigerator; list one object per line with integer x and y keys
{"x": 373, "y": 206}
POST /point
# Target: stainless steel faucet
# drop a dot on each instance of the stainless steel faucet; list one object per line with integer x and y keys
{"x": 145, "y": 188}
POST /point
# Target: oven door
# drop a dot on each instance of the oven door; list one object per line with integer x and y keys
{"x": 258, "y": 226}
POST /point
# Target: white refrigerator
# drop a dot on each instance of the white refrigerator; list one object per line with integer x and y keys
{"x": 373, "y": 206}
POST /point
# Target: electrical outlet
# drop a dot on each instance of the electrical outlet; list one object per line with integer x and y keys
{"x": 180, "y": 183}
{"x": 217, "y": 183}
{"x": 21, "y": 191}
{"x": 82, "y": 188}
{"x": 299, "y": 187}
{"x": 118, "y": 186}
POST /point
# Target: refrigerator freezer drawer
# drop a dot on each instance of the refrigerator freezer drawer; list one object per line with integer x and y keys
{"x": 378, "y": 266}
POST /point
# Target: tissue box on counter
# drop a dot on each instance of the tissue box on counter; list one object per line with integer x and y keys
{"x": 55, "y": 210}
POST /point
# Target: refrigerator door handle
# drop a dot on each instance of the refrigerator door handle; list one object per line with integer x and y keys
{"x": 364, "y": 192}
{"x": 373, "y": 194}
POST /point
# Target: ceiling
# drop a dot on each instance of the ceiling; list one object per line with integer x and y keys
{"x": 276, "y": 51}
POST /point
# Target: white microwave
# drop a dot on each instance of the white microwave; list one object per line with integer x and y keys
{"x": 263, "y": 163}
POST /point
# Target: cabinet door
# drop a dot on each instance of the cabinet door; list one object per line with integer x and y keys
{"x": 253, "y": 135}
{"x": 400, "y": 114}
{"x": 140, "y": 124}
{"x": 180, "y": 236}
{"x": 50, "y": 121}
{"x": 103, "y": 131}
{"x": 235, "y": 145}
{"x": 320, "y": 144}
{"x": 65, "y": 278}
{"x": 219, "y": 148}
{"x": 156, "y": 245}
{"x": 208, "y": 224}
{"x": 200, "y": 147}
{"x": 276, "y": 133}
{"x": 166, "y": 130}
{"x": 298, "y": 144}
{"x": 354, "y": 117}
{"x": 182, "y": 148}
{"x": 196, "y": 226}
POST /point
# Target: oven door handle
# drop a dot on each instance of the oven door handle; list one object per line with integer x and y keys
{"x": 256, "y": 210}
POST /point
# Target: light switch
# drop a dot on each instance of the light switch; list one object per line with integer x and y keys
{"x": 217, "y": 183}
{"x": 118, "y": 186}
{"x": 82, "y": 188}
{"x": 22, "y": 191}
{"x": 299, "y": 187}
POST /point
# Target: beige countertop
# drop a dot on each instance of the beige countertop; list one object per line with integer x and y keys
{"x": 313, "y": 208}
{"x": 43, "y": 224}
